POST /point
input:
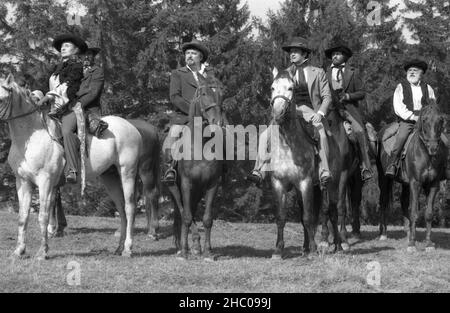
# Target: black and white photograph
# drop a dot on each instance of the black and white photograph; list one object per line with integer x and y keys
{"x": 224, "y": 152}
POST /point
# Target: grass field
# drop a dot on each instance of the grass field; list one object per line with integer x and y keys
{"x": 243, "y": 262}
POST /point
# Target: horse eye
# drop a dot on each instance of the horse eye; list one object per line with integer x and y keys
{"x": 290, "y": 89}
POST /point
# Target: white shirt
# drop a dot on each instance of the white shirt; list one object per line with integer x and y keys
{"x": 334, "y": 71}
{"x": 297, "y": 78}
{"x": 202, "y": 71}
{"x": 400, "y": 107}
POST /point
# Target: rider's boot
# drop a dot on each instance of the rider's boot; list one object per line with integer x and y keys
{"x": 71, "y": 176}
{"x": 170, "y": 176}
{"x": 391, "y": 170}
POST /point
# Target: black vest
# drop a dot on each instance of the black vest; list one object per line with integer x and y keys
{"x": 408, "y": 97}
{"x": 301, "y": 94}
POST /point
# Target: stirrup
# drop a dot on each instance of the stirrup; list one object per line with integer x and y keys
{"x": 366, "y": 178}
{"x": 255, "y": 177}
{"x": 170, "y": 181}
{"x": 71, "y": 177}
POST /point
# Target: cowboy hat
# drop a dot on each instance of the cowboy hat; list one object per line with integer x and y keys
{"x": 197, "y": 45}
{"x": 339, "y": 47}
{"x": 77, "y": 41}
{"x": 297, "y": 42}
{"x": 416, "y": 63}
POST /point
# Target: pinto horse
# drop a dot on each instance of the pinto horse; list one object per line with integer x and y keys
{"x": 422, "y": 169}
{"x": 198, "y": 176}
{"x": 293, "y": 165}
{"x": 37, "y": 159}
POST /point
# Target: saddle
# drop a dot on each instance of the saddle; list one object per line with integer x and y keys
{"x": 389, "y": 137}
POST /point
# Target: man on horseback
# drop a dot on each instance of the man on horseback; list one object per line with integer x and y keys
{"x": 410, "y": 97}
{"x": 347, "y": 89}
{"x": 90, "y": 92}
{"x": 183, "y": 85}
{"x": 312, "y": 96}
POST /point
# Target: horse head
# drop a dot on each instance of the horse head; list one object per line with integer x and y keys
{"x": 282, "y": 94}
{"x": 15, "y": 101}
{"x": 430, "y": 127}
{"x": 208, "y": 100}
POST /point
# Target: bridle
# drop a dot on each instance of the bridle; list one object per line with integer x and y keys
{"x": 286, "y": 99}
{"x": 9, "y": 104}
{"x": 422, "y": 135}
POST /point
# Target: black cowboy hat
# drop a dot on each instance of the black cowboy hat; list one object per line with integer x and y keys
{"x": 297, "y": 42}
{"x": 416, "y": 63}
{"x": 197, "y": 45}
{"x": 339, "y": 47}
{"x": 77, "y": 41}
{"x": 94, "y": 50}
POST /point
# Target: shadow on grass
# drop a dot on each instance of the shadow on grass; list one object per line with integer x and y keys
{"x": 163, "y": 232}
{"x": 361, "y": 251}
{"x": 441, "y": 239}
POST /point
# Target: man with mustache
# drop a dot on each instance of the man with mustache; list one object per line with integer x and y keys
{"x": 183, "y": 84}
{"x": 409, "y": 98}
{"x": 347, "y": 89}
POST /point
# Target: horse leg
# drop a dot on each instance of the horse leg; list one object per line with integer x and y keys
{"x": 385, "y": 203}
{"x": 111, "y": 181}
{"x": 404, "y": 203}
{"x": 24, "y": 192}
{"x": 195, "y": 234}
{"x": 208, "y": 218}
{"x": 151, "y": 196}
{"x": 342, "y": 210}
{"x": 414, "y": 189}
{"x": 46, "y": 200}
{"x": 309, "y": 216}
{"x": 429, "y": 245}
{"x": 355, "y": 194}
{"x": 186, "y": 218}
{"x": 323, "y": 200}
{"x": 128, "y": 185}
{"x": 280, "y": 194}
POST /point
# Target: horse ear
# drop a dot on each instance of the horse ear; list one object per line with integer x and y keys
{"x": 275, "y": 72}
{"x": 10, "y": 79}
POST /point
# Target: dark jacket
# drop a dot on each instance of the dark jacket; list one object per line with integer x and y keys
{"x": 353, "y": 85}
{"x": 91, "y": 88}
{"x": 182, "y": 90}
{"x": 70, "y": 72}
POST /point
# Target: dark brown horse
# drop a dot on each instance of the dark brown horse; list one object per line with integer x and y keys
{"x": 198, "y": 176}
{"x": 422, "y": 169}
{"x": 294, "y": 166}
{"x": 350, "y": 182}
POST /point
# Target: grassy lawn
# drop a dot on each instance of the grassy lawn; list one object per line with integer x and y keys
{"x": 243, "y": 261}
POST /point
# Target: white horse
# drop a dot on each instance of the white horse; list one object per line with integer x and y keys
{"x": 38, "y": 160}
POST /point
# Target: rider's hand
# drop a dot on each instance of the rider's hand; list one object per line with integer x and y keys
{"x": 345, "y": 97}
{"x": 316, "y": 118}
{"x": 43, "y": 101}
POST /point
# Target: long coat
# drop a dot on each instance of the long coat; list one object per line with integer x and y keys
{"x": 353, "y": 85}
{"x": 182, "y": 90}
{"x": 71, "y": 73}
{"x": 319, "y": 90}
{"x": 91, "y": 88}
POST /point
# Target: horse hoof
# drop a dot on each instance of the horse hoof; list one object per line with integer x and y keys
{"x": 411, "y": 249}
{"x": 117, "y": 233}
{"x": 42, "y": 256}
{"x": 383, "y": 238}
{"x": 127, "y": 254}
{"x": 118, "y": 251}
{"x": 19, "y": 253}
{"x": 195, "y": 252}
{"x": 209, "y": 258}
{"x": 345, "y": 247}
{"x": 430, "y": 249}
{"x": 277, "y": 257}
{"x": 181, "y": 257}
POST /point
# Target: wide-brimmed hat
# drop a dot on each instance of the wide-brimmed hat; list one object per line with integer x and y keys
{"x": 338, "y": 47}
{"x": 297, "y": 42}
{"x": 197, "y": 45}
{"x": 94, "y": 50}
{"x": 416, "y": 63}
{"x": 77, "y": 41}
